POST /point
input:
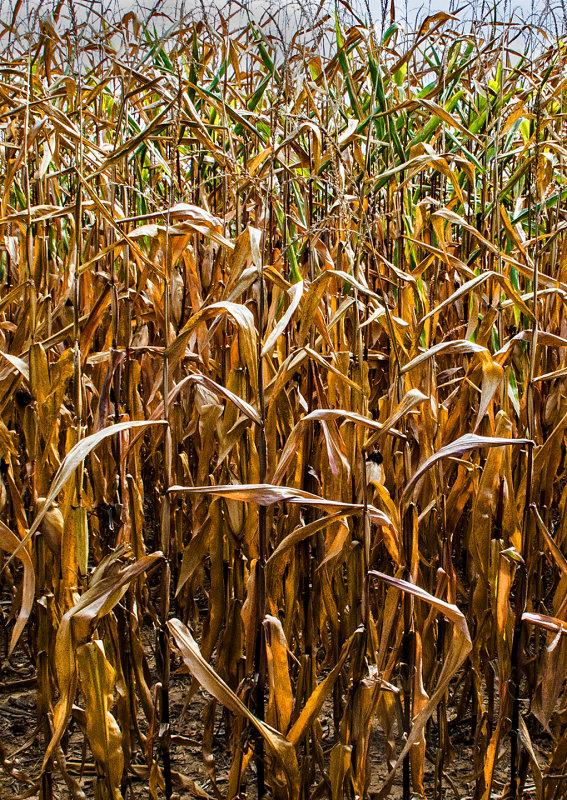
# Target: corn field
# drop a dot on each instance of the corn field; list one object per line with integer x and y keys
{"x": 283, "y": 409}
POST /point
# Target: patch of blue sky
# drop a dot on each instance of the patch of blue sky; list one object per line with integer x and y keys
{"x": 284, "y": 19}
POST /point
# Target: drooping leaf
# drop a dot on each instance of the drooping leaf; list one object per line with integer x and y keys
{"x": 266, "y": 494}
{"x": 282, "y": 750}
{"x": 460, "y": 446}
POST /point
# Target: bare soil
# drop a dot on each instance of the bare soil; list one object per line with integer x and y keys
{"x": 22, "y": 745}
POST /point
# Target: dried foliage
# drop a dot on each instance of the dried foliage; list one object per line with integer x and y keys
{"x": 282, "y": 379}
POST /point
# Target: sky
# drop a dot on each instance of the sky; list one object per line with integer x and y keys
{"x": 408, "y": 13}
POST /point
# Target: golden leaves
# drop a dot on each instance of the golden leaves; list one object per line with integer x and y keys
{"x": 322, "y": 305}
{"x": 281, "y": 749}
{"x": 96, "y": 678}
